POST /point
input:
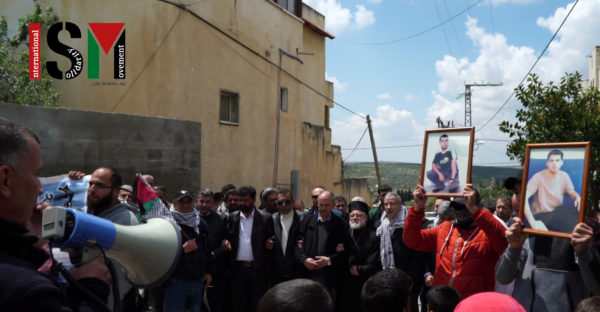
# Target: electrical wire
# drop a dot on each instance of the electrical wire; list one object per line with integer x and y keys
{"x": 356, "y": 146}
{"x": 494, "y": 34}
{"x": 415, "y": 34}
{"x": 454, "y": 29}
{"x": 224, "y": 33}
{"x": 383, "y": 147}
{"x": 443, "y": 28}
{"x": 529, "y": 71}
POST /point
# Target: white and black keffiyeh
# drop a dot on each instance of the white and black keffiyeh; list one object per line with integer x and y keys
{"x": 159, "y": 210}
{"x": 190, "y": 219}
{"x": 384, "y": 232}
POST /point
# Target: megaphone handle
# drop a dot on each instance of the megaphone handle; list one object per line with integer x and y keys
{"x": 115, "y": 280}
{"x": 73, "y": 283}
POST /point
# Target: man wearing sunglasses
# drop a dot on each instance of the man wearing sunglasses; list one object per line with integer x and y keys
{"x": 285, "y": 225}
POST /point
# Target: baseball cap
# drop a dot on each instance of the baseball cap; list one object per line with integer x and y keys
{"x": 179, "y": 195}
{"x": 459, "y": 203}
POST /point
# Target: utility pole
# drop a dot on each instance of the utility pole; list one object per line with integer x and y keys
{"x": 468, "y": 98}
{"x": 374, "y": 151}
{"x": 276, "y": 156}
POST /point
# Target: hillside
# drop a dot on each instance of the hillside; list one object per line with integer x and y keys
{"x": 406, "y": 175}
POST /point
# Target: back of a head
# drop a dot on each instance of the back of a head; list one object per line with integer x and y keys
{"x": 386, "y": 291}
{"x": 591, "y": 304}
{"x": 489, "y": 301}
{"x": 298, "y": 295}
{"x": 13, "y": 142}
{"x": 442, "y": 299}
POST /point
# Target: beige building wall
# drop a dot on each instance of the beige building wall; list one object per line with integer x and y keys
{"x": 594, "y": 69}
{"x": 177, "y": 64}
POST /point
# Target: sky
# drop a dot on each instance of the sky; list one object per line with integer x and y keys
{"x": 384, "y": 63}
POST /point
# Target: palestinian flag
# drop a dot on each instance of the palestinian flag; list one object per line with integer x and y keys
{"x": 148, "y": 202}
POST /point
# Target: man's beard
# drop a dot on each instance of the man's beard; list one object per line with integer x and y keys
{"x": 357, "y": 225}
{"x": 245, "y": 208}
{"x": 102, "y": 204}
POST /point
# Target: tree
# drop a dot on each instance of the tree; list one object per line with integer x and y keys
{"x": 558, "y": 113}
{"x": 15, "y": 85}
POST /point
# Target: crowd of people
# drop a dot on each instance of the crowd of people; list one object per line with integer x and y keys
{"x": 336, "y": 255}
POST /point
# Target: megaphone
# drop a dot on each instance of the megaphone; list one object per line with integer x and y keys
{"x": 149, "y": 252}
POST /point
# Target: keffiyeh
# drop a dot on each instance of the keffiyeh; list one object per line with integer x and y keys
{"x": 384, "y": 232}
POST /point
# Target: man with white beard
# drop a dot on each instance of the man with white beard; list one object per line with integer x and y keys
{"x": 366, "y": 261}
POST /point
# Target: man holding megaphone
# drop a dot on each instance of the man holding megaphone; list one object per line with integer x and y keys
{"x": 22, "y": 287}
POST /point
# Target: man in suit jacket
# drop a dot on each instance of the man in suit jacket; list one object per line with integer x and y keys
{"x": 285, "y": 224}
{"x": 216, "y": 232}
{"x": 249, "y": 237}
{"x": 325, "y": 245}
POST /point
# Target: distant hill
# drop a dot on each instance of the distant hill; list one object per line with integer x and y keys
{"x": 406, "y": 175}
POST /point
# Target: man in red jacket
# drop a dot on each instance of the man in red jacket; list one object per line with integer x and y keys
{"x": 467, "y": 249}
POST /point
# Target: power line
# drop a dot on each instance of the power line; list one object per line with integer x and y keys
{"x": 454, "y": 29}
{"x": 443, "y": 28}
{"x": 383, "y": 147}
{"x": 494, "y": 33}
{"x": 413, "y": 35}
{"x": 224, "y": 33}
{"x": 528, "y": 72}
{"x": 356, "y": 146}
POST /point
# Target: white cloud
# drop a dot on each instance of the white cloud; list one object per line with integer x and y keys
{"x": 409, "y": 97}
{"x": 339, "y": 18}
{"x": 391, "y": 127}
{"x": 499, "y": 61}
{"x": 384, "y": 96}
{"x": 363, "y": 17}
{"x": 337, "y": 85}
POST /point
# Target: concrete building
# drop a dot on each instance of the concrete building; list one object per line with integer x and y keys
{"x": 594, "y": 69}
{"x": 251, "y": 72}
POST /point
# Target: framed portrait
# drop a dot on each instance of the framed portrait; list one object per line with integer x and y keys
{"x": 554, "y": 188}
{"x": 446, "y": 162}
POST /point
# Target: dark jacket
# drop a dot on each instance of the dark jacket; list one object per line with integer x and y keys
{"x": 193, "y": 265}
{"x": 338, "y": 234}
{"x": 262, "y": 229}
{"x": 216, "y": 233}
{"x": 284, "y": 267}
{"x": 23, "y": 288}
{"x": 367, "y": 263}
{"x": 366, "y": 258}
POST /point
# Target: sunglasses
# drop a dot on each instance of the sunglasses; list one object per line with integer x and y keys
{"x": 315, "y": 196}
{"x": 284, "y": 202}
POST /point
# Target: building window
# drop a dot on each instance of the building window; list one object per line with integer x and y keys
{"x": 283, "y": 99}
{"x": 292, "y": 6}
{"x": 326, "y": 117}
{"x": 230, "y": 108}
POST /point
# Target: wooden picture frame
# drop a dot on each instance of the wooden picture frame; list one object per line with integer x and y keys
{"x": 459, "y": 152}
{"x": 554, "y": 175}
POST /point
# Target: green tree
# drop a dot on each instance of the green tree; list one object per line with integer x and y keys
{"x": 563, "y": 112}
{"x": 15, "y": 85}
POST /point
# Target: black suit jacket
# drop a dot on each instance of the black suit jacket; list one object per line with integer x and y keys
{"x": 284, "y": 267}
{"x": 262, "y": 229}
{"x": 338, "y": 234}
{"x": 216, "y": 233}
